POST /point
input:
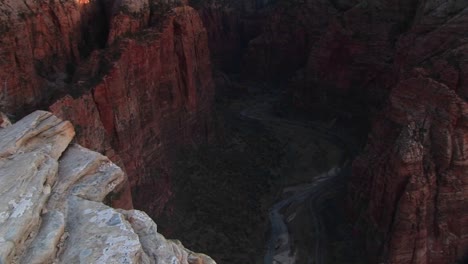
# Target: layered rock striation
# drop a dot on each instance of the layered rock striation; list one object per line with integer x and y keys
{"x": 53, "y": 203}
{"x": 412, "y": 175}
{"x": 41, "y": 45}
{"x": 154, "y": 96}
{"x": 134, "y": 77}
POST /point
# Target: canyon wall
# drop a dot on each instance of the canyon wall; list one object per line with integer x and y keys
{"x": 53, "y": 203}
{"x": 263, "y": 40}
{"x": 230, "y": 26}
{"x": 155, "y": 95}
{"x": 41, "y": 45}
{"x": 404, "y": 64}
{"x": 287, "y": 32}
{"x": 133, "y": 76}
{"x": 412, "y": 176}
{"x": 406, "y": 61}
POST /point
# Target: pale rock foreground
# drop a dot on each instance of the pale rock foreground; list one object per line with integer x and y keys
{"x": 51, "y": 203}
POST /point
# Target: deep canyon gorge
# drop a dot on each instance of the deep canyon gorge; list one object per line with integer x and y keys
{"x": 254, "y": 131}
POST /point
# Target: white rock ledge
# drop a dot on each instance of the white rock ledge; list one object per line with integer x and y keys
{"x": 51, "y": 203}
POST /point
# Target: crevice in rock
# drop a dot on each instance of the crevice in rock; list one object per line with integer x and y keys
{"x": 95, "y": 27}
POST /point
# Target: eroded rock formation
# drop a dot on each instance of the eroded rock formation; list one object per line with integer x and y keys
{"x": 423, "y": 182}
{"x": 52, "y": 203}
{"x": 413, "y": 174}
{"x": 155, "y": 96}
{"x": 41, "y": 44}
{"x": 133, "y": 76}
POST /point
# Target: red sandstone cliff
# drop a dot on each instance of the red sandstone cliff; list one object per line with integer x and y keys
{"x": 41, "y": 42}
{"x": 137, "y": 97}
{"x": 155, "y": 97}
{"x": 410, "y": 183}
{"x": 413, "y": 173}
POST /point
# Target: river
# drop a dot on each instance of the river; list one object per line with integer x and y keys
{"x": 303, "y": 200}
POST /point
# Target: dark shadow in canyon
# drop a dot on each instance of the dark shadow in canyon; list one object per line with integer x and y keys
{"x": 225, "y": 192}
{"x": 341, "y": 67}
{"x": 268, "y": 152}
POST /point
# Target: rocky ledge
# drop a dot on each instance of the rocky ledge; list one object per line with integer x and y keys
{"x": 52, "y": 206}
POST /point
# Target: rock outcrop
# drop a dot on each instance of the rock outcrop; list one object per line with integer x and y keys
{"x": 52, "y": 203}
{"x": 412, "y": 175}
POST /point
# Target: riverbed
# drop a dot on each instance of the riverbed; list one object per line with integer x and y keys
{"x": 297, "y": 233}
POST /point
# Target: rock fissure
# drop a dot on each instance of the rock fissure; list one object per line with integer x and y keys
{"x": 75, "y": 227}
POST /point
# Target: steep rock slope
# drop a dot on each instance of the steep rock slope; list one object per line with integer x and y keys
{"x": 354, "y": 57}
{"x": 410, "y": 182}
{"x": 133, "y": 76}
{"x": 230, "y": 26}
{"x": 41, "y": 44}
{"x": 288, "y": 31}
{"x": 155, "y": 94}
{"x": 413, "y": 174}
{"x": 52, "y": 203}
{"x": 264, "y": 40}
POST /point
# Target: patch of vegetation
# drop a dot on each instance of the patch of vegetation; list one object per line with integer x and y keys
{"x": 125, "y": 9}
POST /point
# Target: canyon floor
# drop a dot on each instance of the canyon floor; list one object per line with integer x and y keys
{"x": 272, "y": 190}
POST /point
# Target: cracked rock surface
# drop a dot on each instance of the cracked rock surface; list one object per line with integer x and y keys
{"x": 52, "y": 206}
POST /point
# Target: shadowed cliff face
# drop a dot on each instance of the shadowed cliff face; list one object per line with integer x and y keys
{"x": 412, "y": 174}
{"x": 422, "y": 133}
{"x": 404, "y": 63}
{"x": 413, "y": 52}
